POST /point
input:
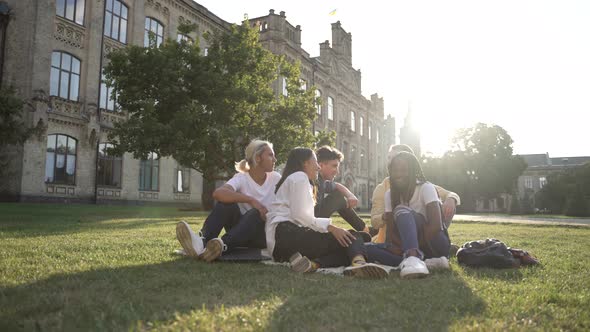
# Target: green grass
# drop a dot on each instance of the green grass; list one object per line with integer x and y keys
{"x": 85, "y": 267}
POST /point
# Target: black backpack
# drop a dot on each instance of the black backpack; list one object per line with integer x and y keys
{"x": 486, "y": 253}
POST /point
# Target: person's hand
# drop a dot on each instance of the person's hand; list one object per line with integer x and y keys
{"x": 342, "y": 236}
{"x": 258, "y": 206}
{"x": 352, "y": 201}
{"x": 449, "y": 209}
{"x": 387, "y": 216}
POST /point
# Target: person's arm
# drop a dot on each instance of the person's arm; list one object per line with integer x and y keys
{"x": 351, "y": 199}
{"x": 302, "y": 211}
{"x": 450, "y": 202}
{"x": 378, "y": 206}
{"x": 227, "y": 194}
{"x": 431, "y": 200}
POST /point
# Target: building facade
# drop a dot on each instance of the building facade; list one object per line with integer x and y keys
{"x": 54, "y": 55}
{"x": 363, "y": 133}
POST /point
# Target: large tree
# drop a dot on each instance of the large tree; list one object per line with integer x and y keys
{"x": 481, "y": 164}
{"x": 203, "y": 110}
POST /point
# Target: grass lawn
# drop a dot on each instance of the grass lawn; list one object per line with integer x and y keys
{"x": 85, "y": 267}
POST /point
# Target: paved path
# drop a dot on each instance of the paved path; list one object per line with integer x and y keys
{"x": 524, "y": 219}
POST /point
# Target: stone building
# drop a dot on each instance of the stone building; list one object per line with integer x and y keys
{"x": 363, "y": 132}
{"x": 54, "y": 55}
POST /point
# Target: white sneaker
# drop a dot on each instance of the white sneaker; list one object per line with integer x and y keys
{"x": 439, "y": 263}
{"x": 413, "y": 267}
{"x": 191, "y": 243}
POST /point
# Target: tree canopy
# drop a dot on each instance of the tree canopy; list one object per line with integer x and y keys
{"x": 480, "y": 165}
{"x": 203, "y": 110}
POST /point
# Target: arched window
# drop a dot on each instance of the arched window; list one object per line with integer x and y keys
{"x": 352, "y": 121}
{"x": 318, "y": 97}
{"x": 149, "y": 172}
{"x": 65, "y": 76}
{"x": 115, "y": 20}
{"x": 330, "y": 108}
{"x": 72, "y": 10}
{"x": 60, "y": 160}
{"x": 154, "y": 29}
{"x": 109, "y": 167}
{"x": 361, "y": 126}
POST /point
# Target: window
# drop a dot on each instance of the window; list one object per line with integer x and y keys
{"x": 303, "y": 84}
{"x": 364, "y": 161}
{"x": 115, "y": 20}
{"x": 72, "y": 10}
{"x": 318, "y": 105}
{"x": 65, "y": 76}
{"x": 206, "y": 51}
{"x": 149, "y": 172}
{"x": 108, "y": 97}
{"x": 182, "y": 179}
{"x": 330, "y": 108}
{"x": 184, "y": 37}
{"x": 542, "y": 182}
{"x": 370, "y": 129}
{"x": 109, "y": 166}
{"x": 60, "y": 161}
{"x": 361, "y": 125}
{"x": 352, "y": 121}
{"x": 528, "y": 180}
{"x": 284, "y": 84}
{"x": 154, "y": 33}
{"x": 377, "y": 135}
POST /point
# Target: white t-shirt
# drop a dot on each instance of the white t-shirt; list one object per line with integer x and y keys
{"x": 244, "y": 184}
{"x": 424, "y": 194}
{"x": 293, "y": 202}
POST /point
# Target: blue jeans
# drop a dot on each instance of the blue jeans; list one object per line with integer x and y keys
{"x": 245, "y": 230}
{"x": 408, "y": 223}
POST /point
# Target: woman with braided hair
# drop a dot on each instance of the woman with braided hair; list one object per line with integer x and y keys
{"x": 414, "y": 226}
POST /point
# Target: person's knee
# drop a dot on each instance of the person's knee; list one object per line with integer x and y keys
{"x": 252, "y": 215}
{"x": 401, "y": 210}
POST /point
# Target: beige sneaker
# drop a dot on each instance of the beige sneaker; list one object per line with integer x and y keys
{"x": 213, "y": 250}
{"x": 301, "y": 264}
{"x": 366, "y": 270}
{"x": 191, "y": 242}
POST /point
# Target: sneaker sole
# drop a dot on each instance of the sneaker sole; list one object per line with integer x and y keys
{"x": 301, "y": 265}
{"x": 414, "y": 275}
{"x": 368, "y": 271}
{"x": 184, "y": 237}
{"x": 213, "y": 250}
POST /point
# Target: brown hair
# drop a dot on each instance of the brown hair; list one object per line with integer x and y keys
{"x": 327, "y": 153}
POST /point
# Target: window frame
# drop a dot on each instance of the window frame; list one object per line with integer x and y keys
{"x": 330, "y": 108}
{"x": 112, "y": 159}
{"x": 151, "y": 168}
{"x": 112, "y": 14}
{"x": 69, "y": 72}
{"x": 66, "y": 154}
{"x": 75, "y": 12}
{"x": 146, "y": 40}
{"x": 183, "y": 170}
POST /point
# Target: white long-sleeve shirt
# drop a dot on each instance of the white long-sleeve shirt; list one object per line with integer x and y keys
{"x": 293, "y": 202}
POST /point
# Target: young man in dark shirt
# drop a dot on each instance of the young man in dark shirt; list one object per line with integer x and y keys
{"x": 333, "y": 196}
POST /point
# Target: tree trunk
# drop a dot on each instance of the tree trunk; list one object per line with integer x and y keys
{"x": 207, "y": 195}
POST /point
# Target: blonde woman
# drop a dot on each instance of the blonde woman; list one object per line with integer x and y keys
{"x": 242, "y": 204}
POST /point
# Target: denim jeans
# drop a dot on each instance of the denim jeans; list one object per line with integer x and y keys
{"x": 245, "y": 230}
{"x": 336, "y": 201}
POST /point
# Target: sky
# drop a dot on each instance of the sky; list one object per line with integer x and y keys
{"x": 522, "y": 65}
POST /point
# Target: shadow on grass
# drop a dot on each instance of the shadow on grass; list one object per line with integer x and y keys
{"x": 127, "y": 297}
